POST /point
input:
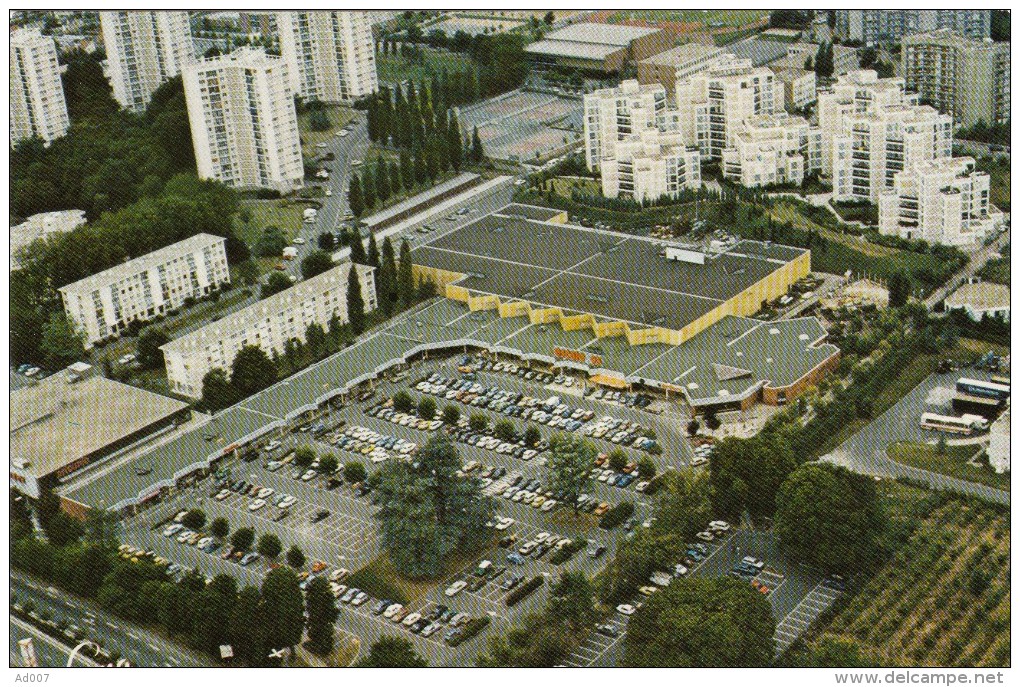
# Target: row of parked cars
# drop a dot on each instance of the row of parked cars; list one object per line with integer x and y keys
{"x": 32, "y": 371}
{"x": 619, "y": 432}
{"x": 207, "y": 544}
{"x": 385, "y": 411}
{"x": 621, "y": 397}
{"x": 424, "y": 623}
{"x": 371, "y": 444}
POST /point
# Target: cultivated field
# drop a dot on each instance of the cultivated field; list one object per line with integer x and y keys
{"x": 943, "y": 599}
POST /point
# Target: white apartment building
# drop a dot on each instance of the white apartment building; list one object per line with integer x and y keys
{"x": 330, "y": 55}
{"x": 773, "y": 149}
{"x": 144, "y": 49}
{"x": 941, "y": 201}
{"x": 856, "y": 92}
{"x": 38, "y": 108}
{"x": 104, "y": 304}
{"x": 872, "y": 148}
{"x": 889, "y": 26}
{"x": 243, "y": 122}
{"x": 713, "y": 103}
{"x": 650, "y": 164}
{"x": 799, "y": 87}
{"x": 965, "y": 77}
{"x": 269, "y": 324}
{"x": 611, "y": 114}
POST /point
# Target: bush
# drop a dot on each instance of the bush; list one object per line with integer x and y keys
{"x": 646, "y": 468}
{"x": 193, "y": 519}
{"x": 471, "y": 629}
{"x": 451, "y": 414}
{"x": 426, "y": 408}
{"x": 504, "y": 430}
{"x": 402, "y": 402}
{"x": 617, "y": 460}
{"x": 478, "y": 422}
{"x": 355, "y": 472}
{"x": 617, "y": 515}
{"x": 567, "y": 552}
{"x": 524, "y": 590}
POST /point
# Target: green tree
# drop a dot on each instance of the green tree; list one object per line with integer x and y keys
{"x": 316, "y": 263}
{"x": 355, "y": 303}
{"x": 389, "y": 275}
{"x": 382, "y": 180}
{"x": 174, "y": 606}
{"x": 304, "y": 456}
{"x": 252, "y": 371}
{"x": 712, "y": 420}
{"x": 211, "y": 615}
{"x": 405, "y": 278}
{"x": 243, "y": 538}
{"x": 217, "y": 393}
{"x": 406, "y": 170}
{"x": 355, "y": 198}
{"x": 269, "y": 545}
{"x": 275, "y": 283}
{"x": 477, "y": 152}
{"x": 572, "y": 601}
{"x": 899, "y": 289}
{"x": 270, "y": 243}
{"x": 295, "y": 557}
{"x": 426, "y": 408}
{"x": 824, "y": 60}
{"x": 61, "y": 345}
{"x": 328, "y": 464}
{"x": 617, "y": 460}
{"x": 318, "y": 120}
{"x": 194, "y": 519}
{"x": 322, "y": 614}
{"x": 549, "y": 18}
{"x": 764, "y": 461}
{"x": 571, "y": 460}
{"x": 402, "y": 402}
{"x": 392, "y": 652}
{"x": 504, "y": 431}
{"x": 284, "y": 608}
{"x": 478, "y": 422}
{"x": 355, "y": 472}
{"x": 368, "y": 189}
{"x": 646, "y": 467}
{"x": 219, "y": 528}
{"x": 149, "y": 341}
{"x": 831, "y": 518}
{"x": 531, "y": 435}
{"x": 428, "y": 512}
{"x": 702, "y": 623}
{"x": 315, "y": 339}
{"x": 373, "y": 252}
{"x": 357, "y": 248}
{"x": 451, "y": 414}
{"x": 247, "y": 627}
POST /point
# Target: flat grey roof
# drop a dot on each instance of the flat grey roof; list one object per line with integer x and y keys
{"x": 575, "y": 49}
{"x": 681, "y": 54}
{"x": 54, "y": 423}
{"x": 607, "y": 34}
{"x": 607, "y": 274}
{"x": 418, "y": 199}
{"x": 779, "y": 356}
{"x": 530, "y": 212}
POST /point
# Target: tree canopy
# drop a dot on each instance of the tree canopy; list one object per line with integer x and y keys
{"x": 392, "y": 652}
{"x": 746, "y": 474}
{"x": 571, "y": 460}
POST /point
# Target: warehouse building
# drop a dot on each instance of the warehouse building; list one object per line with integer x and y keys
{"x": 605, "y": 48}
{"x": 104, "y": 304}
{"x": 269, "y": 324}
{"x": 70, "y": 420}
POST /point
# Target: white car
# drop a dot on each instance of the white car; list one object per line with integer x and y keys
{"x": 223, "y": 495}
{"x": 184, "y": 536}
{"x": 698, "y": 460}
{"x": 541, "y": 537}
{"x": 287, "y": 502}
{"x": 172, "y": 530}
{"x": 265, "y": 493}
{"x": 204, "y": 541}
{"x": 308, "y": 476}
{"x": 456, "y": 588}
{"x": 705, "y": 536}
{"x": 412, "y": 619}
{"x": 257, "y": 504}
{"x": 299, "y": 241}
{"x": 338, "y": 589}
{"x": 549, "y": 505}
{"x": 719, "y": 526}
{"x": 329, "y": 192}
{"x": 625, "y": 609}
{"x": 504, "y": 523}
{"x": 361, "y": 598}
{"x": 339, "y": 574}
{"x": 392, "y": 610}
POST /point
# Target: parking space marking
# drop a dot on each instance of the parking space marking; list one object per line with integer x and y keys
{"x": 814, "y": 603}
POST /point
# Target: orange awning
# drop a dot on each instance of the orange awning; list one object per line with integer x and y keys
{"x": 606, "y": 380}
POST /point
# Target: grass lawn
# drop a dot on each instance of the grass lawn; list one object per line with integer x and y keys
{"x": 998, "y": 170}
{"x": 563, "y": 185}
{"x": 786, "y": 212}
{"x": 996, "y": 271}
{"x": 281, "y": 212}
{"x": 338, "y": 115}
{"x": 710, "y": 18}
{"x": 943, "y": 599}
{"x": 951, "y": 462}
{"x": 381, "y": 580}
{"x": 394, "y": 69}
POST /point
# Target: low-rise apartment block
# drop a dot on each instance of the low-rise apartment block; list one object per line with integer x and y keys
{"x": 104, "y": 304}
{"x": 773, "y": 149}
{"x": 967, "y": 78}
{"x": 268, "y": 324}
{"x": 941, "y": 201}
{"x": 243, "y": 122}
{"x": 649, "y": 165}
{"x": 37, "y": 107}
{"x": 714, "y": 103}
{"x": 612, "y": 114}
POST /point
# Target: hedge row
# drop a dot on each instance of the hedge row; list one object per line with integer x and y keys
{"x": 472, "y": 628}
{"x": 616, "y": 515}
{"x": 567, "y": 552}
{"x": 524, "y": 590}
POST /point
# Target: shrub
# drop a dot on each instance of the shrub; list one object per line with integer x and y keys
{"x": 524, "y": 590}
{"x": 426, "y": 408}
{"x": 402, "y": 402}
{"x": 478, "y": 422}
{"x": 567, "y": 552}
{"x": 355, "y": 472}
{"x": 471, "y": 629}
{"x": 616, "y": 515}
{"x": 193, "y": 519}
{"x": 451, "y": 414}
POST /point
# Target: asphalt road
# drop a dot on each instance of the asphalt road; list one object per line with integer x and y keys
{"x": 140, "y": 646}
{"x": 865, "y": 451}
{"x": 49, "y": 653}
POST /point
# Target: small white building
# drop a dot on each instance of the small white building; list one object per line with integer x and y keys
{"x": 980, "y": 299}
{"x": 941, "y": 201}
{"x": 773, "y": 149}
{"x": 651, "y": 164}
{"x": 998, "y": 444}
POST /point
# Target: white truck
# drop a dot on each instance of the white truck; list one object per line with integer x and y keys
{"x": 310, "y": 215}
{"x": 289, "y": 253}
